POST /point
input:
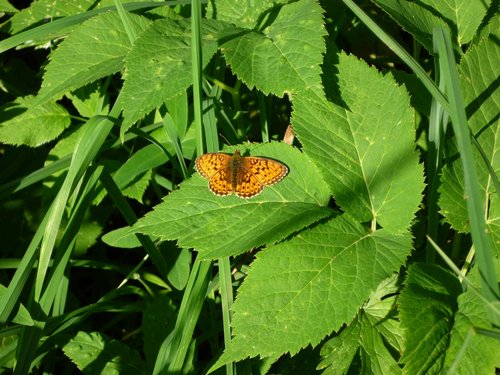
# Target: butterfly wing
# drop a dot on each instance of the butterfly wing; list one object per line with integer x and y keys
{"x": 266, "y": 171}
{"x": 216, "y": 168}
{"x": 220, "y": 183}
{"x": 210, "y": 164}
{"x": 247, "y": 185}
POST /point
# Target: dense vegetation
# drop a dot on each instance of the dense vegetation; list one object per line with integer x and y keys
{"x": 377, "y": 253}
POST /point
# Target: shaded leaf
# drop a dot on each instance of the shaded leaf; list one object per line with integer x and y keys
{"x": 96, "y": 353}
{"x": 463, "y": 16}
{"x": 368, "y": 337}
{"x": 428, "y": 304}
{"x": 33, "y": 125}
{"x": 159, "y": 64}
{"x": 365, "y": 147}
{"x": 471, "y": 316}
{"x": 416, "y": 19}
{"x": 479, "y": 80}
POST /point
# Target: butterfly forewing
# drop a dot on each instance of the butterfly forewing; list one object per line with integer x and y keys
{"x": 209, "y": 164}
{"x": 267, "y": 171}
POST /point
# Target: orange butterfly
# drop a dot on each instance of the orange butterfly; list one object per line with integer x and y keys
{"x": 244, "y": 176}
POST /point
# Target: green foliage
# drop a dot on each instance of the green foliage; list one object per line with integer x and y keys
{"x": 218, "y": 228}
{"x": 483, "y": 121}
{"x": 370, "y": 177}
{"x": 24, "y": 125}
{"x": 95, "y": 353}
{"x": 118, "y": 258}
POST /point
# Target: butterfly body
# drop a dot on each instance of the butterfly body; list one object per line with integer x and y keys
{"x": 245, "y": 176}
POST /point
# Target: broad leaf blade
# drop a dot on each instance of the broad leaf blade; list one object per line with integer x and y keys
{"x": 44, "y": 11}
{"x": 223, "y": 226}
{"x": 301, "y": 290}
{"x": 365, "y": 147}
{"x": 427, "y": 308}
{"x": 284, "y": 54}
{"x": 35, "y": 126}
{"x": 245, "y": 14}
{"x": 471, "y": 316}
{"x": 372, "y": 333}
{"x": 97, "y": 48}
{"x": 463, "y": 16}
{"x": 95, "y": 353}
{"x": 418, "y": 20}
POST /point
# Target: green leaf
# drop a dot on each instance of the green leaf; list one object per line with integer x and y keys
{"x": 6, "y": 7}
{"x": 463, "y": 16}
{"x": 339, "y": 352}
{"x": 97, "y": 48}
{"x": 416, "y": 19}
{"x": 245, "y": 14}
{"x": 223, "y": 226}
{"x": 376, "y": 357}
{"x": 89, "y": 100}
{"x": 366, "y": 334}
{"x": 471, "y": 316}
{"x": 281, "y": 55}
{"x": 21, "y": 123}
{"x": 158, "y": 320}
{"x": 178, "y": 264}
{"x": 43, "y": 11}
{"x": 96, "y": 353}
{"x": 479, "y": 72}
{"x": 365, "y": 146}
{"x": 132, "y": 176}
{"x": 21, "y": 315}
{"x": 300, "y": 290}
{"x": 159, "y": 64}
{"x": 428, "y": 304}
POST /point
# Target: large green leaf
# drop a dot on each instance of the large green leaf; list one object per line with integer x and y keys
{"x": 301, "y": 290}
{"x": 245, "y": 14}
{"x": 97, "y": 48}
{"x": 43, "y": 11}
{"x": 223, "y": 226}
{"x": 479, "y": 71}
{"x": 283, "y": 53}
{"x": 364, "y": 147}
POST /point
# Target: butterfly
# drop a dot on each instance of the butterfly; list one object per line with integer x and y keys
{"x": 245, "y": 176}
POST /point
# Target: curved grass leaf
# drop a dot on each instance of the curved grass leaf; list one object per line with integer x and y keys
{"x": 478, "y": 73}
